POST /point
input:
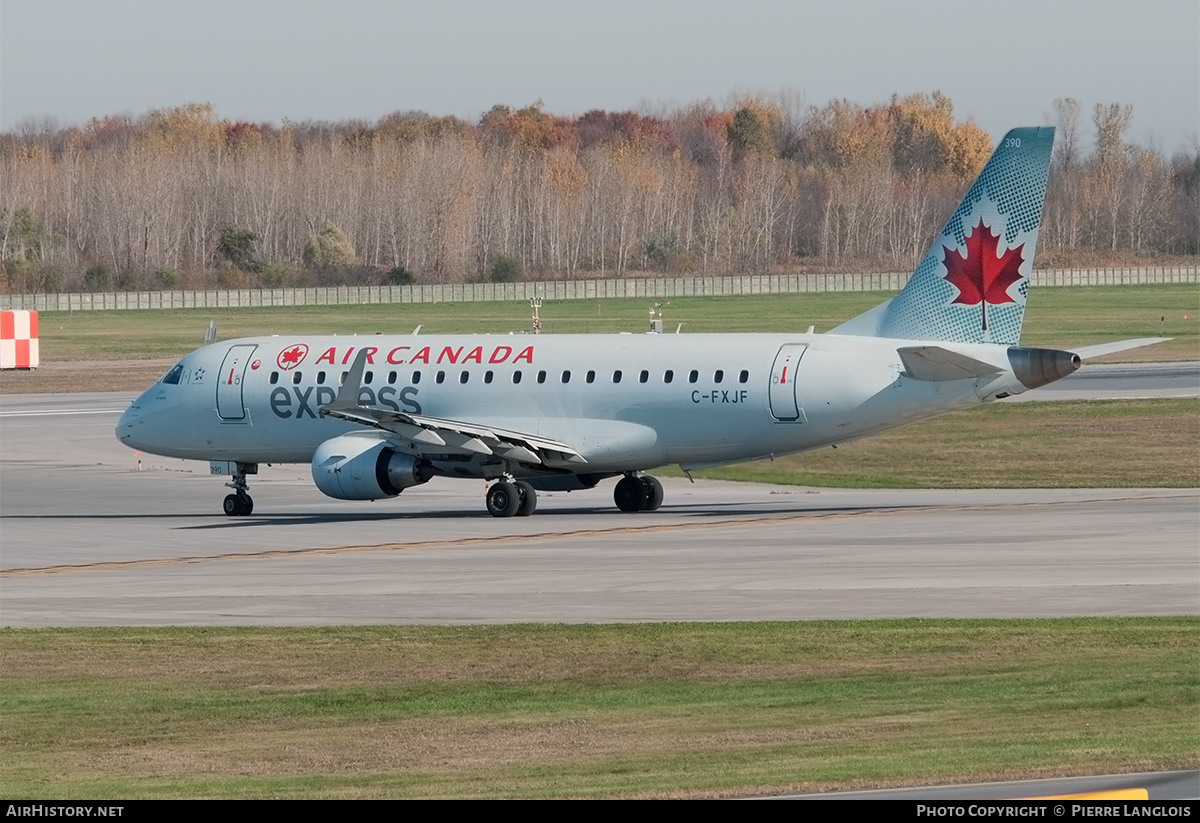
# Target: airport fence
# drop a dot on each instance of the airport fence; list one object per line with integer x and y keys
{"x": 554, "y": 290}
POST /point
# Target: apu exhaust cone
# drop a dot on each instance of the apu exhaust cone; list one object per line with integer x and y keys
{"x": 1037, "y": 367}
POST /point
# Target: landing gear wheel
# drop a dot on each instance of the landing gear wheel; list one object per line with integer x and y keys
{"x": 503, "y": 499}
{"x": 630, "y": 494}
{"x": 654, "y": 493}
{"x": 237, "y": 505}
{"x": 528, "y": 497}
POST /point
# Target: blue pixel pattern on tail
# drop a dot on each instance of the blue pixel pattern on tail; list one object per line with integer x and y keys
{"x": 1006, "y": 200}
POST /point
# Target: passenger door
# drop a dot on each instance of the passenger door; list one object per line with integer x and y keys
{"x": 785, "y": 401}
{"x": 229, "y": 384}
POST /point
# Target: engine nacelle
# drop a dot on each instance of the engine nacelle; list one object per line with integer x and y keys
{"x": 361, "y": 466}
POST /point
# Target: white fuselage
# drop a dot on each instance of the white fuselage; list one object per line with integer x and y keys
{"x": 624, "y": 402}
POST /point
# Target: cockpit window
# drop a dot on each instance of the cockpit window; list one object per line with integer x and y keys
{"x": 174, "y": 375}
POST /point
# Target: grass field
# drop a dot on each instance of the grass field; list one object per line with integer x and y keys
{"x": 663, "y": 710}
{"x": 1055, "y": 317}
{"x": 1076, "y": 444}
{"x": 126, "y": 351}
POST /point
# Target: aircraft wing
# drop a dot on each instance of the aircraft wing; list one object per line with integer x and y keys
{"x": 436, "y": 434}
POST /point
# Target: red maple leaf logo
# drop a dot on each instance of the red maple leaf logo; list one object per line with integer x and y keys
{"x": 982, "y": 276}
{"x": 290, "y": 358}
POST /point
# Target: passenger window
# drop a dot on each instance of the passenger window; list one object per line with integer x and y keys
{"x": 668, "y": 376}
{"x": 541, "y": 377}
{"x": 391, "y": 377}
{"x": 744, "y": 377}
{"x": 617, "y": 376}
{"x": 416, "y": 378}
{"x": 274, "y": 377}
{"x": 441, "y": 377}
{"x": 462, "y": 378}
{"x": 566, "y": 377}
{"x": 693, "y": 376}
{"x": 296, "y": 378}
{"x": 368, "y": 377}
{"x": 487, "y": 376}
{"x": 591, "y": 377}
{"x": 644, "y": 376}
{"x": 342, "y": 379}
{"x": 320, "y": 377}
{"x": 517, "y": 376}
{"x": 719, "y": 376}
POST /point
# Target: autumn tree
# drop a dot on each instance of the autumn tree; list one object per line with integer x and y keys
{"x": 240, "y": 247}
{"x": 328, "y": 250}
{"x": 1185, "y": 173}
{"x": 760, "y": 182}
{"x": 1062, "y": 211}
{"x": 504, "y": 269}
{"x": 750, "y": 131}
{"x": 1108, "y": 170}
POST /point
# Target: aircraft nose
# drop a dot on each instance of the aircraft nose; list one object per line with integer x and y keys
{"x": 127, "y": 425}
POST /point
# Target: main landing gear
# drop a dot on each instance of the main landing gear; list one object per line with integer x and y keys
{"x": 638, "y": 493}
{"x": 509, "y": 497}
{"x": 240, "y": 504}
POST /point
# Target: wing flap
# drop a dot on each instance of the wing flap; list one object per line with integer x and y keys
{"x": 428, "y": 434}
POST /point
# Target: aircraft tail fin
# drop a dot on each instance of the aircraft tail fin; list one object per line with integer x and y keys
{"x": 971, "y": 285}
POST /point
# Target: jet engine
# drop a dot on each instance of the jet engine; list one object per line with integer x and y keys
{"x": 362, "y": 466}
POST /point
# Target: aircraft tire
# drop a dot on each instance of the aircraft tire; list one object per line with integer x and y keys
{"x": 630, "y": 494}
{"x": 528, "y": 497}
{"x": 503, "y": 500}
{"x": 237, "y": 505}
{"x": 654, "y": 493}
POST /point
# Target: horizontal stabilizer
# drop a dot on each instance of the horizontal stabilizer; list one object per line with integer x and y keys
{"x": 1088, "y": 352}
{"x": 935, "y": 364}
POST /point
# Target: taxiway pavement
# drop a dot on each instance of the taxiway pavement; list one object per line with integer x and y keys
{"x": 86, "y": 538}
{"x": 1121, "y": 381}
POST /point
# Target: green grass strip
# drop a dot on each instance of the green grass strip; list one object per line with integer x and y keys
{"x": 1068, "y": 444}
{"x": 654, "y": 710}
{"x": 1055, "y": 317}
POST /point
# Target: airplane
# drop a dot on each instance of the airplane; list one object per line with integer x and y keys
{"x": 376, "y": 415}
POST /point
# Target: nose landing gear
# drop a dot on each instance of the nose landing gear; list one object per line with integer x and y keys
{"x": 240, "y": 504}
